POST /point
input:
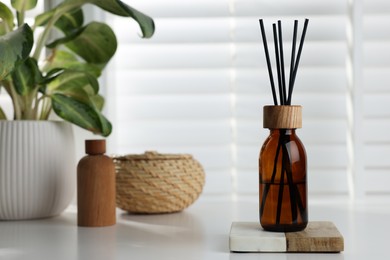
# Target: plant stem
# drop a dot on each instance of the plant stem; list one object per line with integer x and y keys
{"x": 26, "y": 112}
{"x": 20, "y": 17}
{"x": 30, "y": 110}
{"x": 46, "y": 108}
{"x": 38, "y": 101}
{"x": 43, "y": 37}
{"x": 59, "y": 11}
{"x": 9, "y": 87}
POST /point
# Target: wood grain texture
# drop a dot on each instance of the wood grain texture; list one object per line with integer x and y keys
{"x": 282, "y": 117}
{"x": 95, "y": 146}
{"x": 320, "y": 236}
{"x": 96, "y": 191}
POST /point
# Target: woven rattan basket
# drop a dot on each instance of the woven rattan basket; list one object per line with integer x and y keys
{"x": 157, "y": 183}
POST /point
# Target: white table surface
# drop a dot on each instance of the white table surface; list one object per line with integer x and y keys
{"x": 199, "y": 232}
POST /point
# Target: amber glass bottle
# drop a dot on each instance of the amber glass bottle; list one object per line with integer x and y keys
{"x": 282, "y": 172}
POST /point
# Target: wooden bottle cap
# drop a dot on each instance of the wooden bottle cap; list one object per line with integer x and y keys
{"x": 282, "y": 117}
{"x": 95, "y": 146}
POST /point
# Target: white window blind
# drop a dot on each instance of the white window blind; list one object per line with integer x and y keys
{"x": 376, "y": 95}
{"x": 199, "y": 85}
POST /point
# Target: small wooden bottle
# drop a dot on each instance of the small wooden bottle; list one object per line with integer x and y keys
{"x": 96, "y": 187}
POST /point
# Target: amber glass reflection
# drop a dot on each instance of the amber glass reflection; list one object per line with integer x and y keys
{"x": 283, "y": 190}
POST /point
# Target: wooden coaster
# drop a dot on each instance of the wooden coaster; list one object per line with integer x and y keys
{"x": 319, "y": 236}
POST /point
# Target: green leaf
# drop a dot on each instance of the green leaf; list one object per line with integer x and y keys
{"x": 70, "y": 21}
{"x": 96, "y": 43}
{"x": 71, "y": 83}
{"x": 15, "y": 47}
{"x": 68, "y": 38}
{"x": 7, "y": 19}
{"x": 67, "y": 23}
{"x": 26, "y": 76}
{"x": 106, "y": 126}
{"x": 119, "y": 8}
{"x": 23, "y": 5}
{"x": 43, "y": 18}
{"x": 98, "y": 101}
{"x": 61, "y": 59}
{"x": 49, "y": 77}
{"x": 81, "y": 114}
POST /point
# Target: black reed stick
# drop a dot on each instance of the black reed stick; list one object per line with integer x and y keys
{"x": 282, "y": 62}
{"x": 285, "y": 99}
{"x": 293, "y": 195}
{"x": 294, "y": 43}
{"x": 282, "y": 172}
{"x": 281, "y": 98}
{"x": 280, "y": 196}
{"x": 300, "y": 203}
{"x": 299, "y": 55}
{"x": 271, "y": 77}
{"x": 267, "y": 185}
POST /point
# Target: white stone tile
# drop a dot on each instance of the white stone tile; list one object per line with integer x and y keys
{"x": 250, "y": 237}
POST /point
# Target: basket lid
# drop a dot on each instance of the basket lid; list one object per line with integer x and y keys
{"x": 153, "y": 155}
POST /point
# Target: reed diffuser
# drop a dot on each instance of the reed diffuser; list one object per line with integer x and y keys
{"x": 282, "y": 162}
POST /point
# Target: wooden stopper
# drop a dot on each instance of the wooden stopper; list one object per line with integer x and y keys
{"x": 94, "y": 147}
{"x": 282, "y": 117}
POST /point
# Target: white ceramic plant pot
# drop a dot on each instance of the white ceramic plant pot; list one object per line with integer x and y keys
{"x": 37, "y": 168}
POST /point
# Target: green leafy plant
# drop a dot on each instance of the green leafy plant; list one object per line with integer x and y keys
{"x": 59, "y": 75}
